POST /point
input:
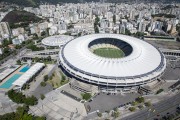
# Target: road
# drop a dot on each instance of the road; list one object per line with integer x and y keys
{"x": 161, "y": 108}
{"x": 8, "y": 60}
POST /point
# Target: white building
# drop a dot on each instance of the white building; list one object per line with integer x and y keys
{"x": 16, "y": 41}
{"x": 53, "y": 30}
{"x": 27, "y": 76}
{"x": 1, "y": 51}
{"x": 77, "y": 58}
{"x": 17, "y": 31}
{"x": 4, "y": 30}
{"x": 104, "y": 23}
{"x": 122, "y": 28}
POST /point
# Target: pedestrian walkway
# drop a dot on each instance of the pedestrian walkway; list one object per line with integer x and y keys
{"x": 56, "y": 106}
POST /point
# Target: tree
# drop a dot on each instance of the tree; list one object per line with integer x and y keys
{"x": 114, "y": 19}
{"x": 18, "y": 62}
{"x": 70, "y": 26}
{"x": 86, "y": 96}
{"x": 134, "y": 103}
{"x": 140, "y": 106}
{"x": 116, "y": 113}
{"x": 96, "y": 29}
{"x": 97, "y": 20}
{"x": 159, "y": 91}
{"x": 18, "y": 46}
{"x": 6, "y": 42}
{"x": 96, "y": 24}
{"x": 99, "y": 114}
{"x": 126, "y": 17}
{"x": 36, "y": 59}
{"x": 63, "y": 78}
{"x": 35, "y": 36}
{"x": 148, "y": 104}
{"x": 132, "y": 109}
{"x": 18, "y": 97}
{"x": 127, "y": 32}
{"x": 34, "y": 47}
{"x": 6, "y": 50}
{"x": 139, "y": 34}
{"x": 8, "y": 116}
{"x": 79, "y": 34}
{"x": 42, "y": 97}
{"x": 43, "y": 33}
{"x": 46, "y": 78}
{"x": 22, "y": 110}
{"x": 30, "y": 101}
{"x": 140, "y": 99}
{"x": 49, "y": 58}
{"x": 20, "y": 114}
{"x": 43, "y": 84}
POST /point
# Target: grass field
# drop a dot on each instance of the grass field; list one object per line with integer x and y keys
{"x": 109, "y": 52}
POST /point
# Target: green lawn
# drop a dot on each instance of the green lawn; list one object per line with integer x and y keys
{"x": 109, "y": 52}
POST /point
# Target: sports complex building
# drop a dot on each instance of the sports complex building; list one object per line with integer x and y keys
{"x": 112, "y": 60}
{"x": 57, "y": 40}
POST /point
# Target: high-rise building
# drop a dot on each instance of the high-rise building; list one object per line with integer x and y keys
{"x": 132, "y": 16}
{"x": 142, "y": 26}
{"x": 104, "y": 23}
{"x": 1, "y": 51}
{"x": 4, "y": 29}
{"x": 122, "y": 28}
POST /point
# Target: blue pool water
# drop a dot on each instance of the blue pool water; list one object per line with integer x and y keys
{"x": 9, "y": 82}
{"x": 24, "y": 69}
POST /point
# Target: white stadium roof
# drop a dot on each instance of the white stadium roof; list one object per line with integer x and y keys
{"x": 28, "y": 75}
{"x": 144, "y": 61}
{"x": 56, "y": 40}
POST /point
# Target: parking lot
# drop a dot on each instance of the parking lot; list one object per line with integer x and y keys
{"x": 104, "y": 102}
{"x": 172, "y": 71}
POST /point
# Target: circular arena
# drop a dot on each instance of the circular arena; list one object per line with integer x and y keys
{"x": 112, "y": 60}
{"x": 57, "y": 40}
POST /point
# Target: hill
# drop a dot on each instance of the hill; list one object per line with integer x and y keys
{"x": 37, "y": 2}
{"x": 21, "y": 2}
{"x": 18, "y": 18}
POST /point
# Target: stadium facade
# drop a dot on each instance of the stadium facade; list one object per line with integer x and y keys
{"x": 142, "y": 63}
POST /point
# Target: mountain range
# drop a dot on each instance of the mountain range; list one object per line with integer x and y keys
{"x": 37, "y": 2}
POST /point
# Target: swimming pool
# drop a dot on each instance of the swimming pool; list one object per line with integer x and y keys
{"x": 24, "y": 69}
{"x": 9, "y": 82}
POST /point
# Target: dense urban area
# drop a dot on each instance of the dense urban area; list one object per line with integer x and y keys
{"x": 43, "y": 51}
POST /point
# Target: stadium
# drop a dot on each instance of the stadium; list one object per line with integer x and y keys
{"x": 57, "y": 40}
{"x": 112, "y": 60}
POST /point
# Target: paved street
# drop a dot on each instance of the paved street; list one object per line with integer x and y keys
{"x": 6, "y": 105}
{"x": 12, "y": 59}
{"x": 160, "y": 108}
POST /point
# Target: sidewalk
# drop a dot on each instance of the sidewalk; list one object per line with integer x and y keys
{"x": 39, "y": 79}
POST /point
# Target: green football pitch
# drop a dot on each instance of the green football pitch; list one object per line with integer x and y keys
{"x": 109, "y": 52}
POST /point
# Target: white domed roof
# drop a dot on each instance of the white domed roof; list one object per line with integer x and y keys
{"x": 143, "y": 59}
{"x": 56, "y": 40}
